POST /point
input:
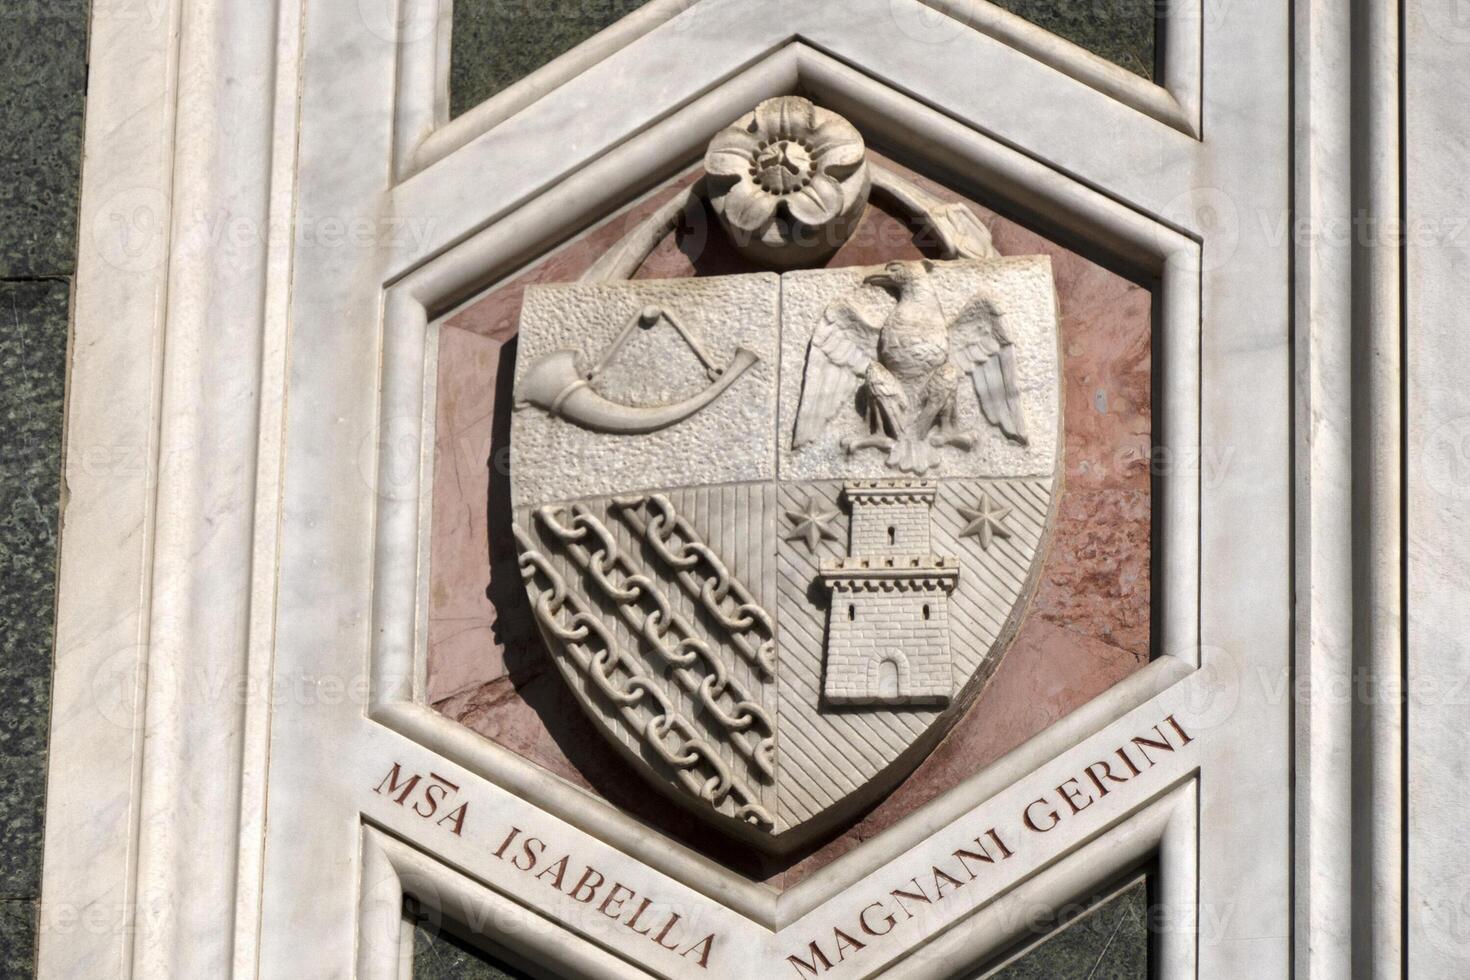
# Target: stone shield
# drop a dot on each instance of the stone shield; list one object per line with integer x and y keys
{"x": 777, "y": 531}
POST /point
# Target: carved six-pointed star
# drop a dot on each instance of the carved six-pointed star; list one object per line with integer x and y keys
{"x": 986, "y": 521}
{"x": 812, "y": 522}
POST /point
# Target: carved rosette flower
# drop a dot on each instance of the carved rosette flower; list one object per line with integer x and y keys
{"x": 789, "y": 181}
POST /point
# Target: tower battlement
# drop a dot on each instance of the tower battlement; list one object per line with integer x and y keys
{"x": 888, "y": 621}
{"x": 889, "y": 517}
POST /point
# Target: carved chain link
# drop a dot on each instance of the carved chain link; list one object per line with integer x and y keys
{"x": 645, "y": 608}
{"x": 565, "y": 617}
{"x": 727, "y": 601}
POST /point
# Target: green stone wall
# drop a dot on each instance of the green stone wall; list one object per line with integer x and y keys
{"x": 1121, "y": 31}
{"x": 1107, "y": 942}
{"x": 43, "y": 47}
{"x": 439, "y": 955}
{"x": 496, "y": 42}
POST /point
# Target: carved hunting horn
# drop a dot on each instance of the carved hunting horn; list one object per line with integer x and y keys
{"x": 555, "y": 383}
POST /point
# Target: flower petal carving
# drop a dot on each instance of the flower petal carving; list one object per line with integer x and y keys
{"x": 837, "y": 144}
{"x": 749, "y": 208}
{"x": 731, "y": 153}
{"x": 785, "y": 118}
{"x": 788, "y": 159}
{"x": 817, "y": 203}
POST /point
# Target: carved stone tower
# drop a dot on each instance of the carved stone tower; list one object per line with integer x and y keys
{"x": 888, "y": 622}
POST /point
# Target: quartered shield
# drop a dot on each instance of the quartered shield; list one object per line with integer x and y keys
{"x": 777, "y": 531}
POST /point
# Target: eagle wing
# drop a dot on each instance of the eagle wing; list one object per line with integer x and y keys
{"x": 837, "y": 360}
{"x": 980, "y": 347}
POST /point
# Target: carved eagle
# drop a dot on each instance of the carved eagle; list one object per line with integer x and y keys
{"x": 908, "y": 368}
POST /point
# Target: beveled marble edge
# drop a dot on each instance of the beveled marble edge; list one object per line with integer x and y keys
{"x": 1174, "y": 102}
{"x": 105, "y": 523}
{"x": 426, "y": 145}
{"x": 1323, "y": 539}
{"x": 768, "y": 943}
{"x": 1164, "y": 831}
{"x": 426, "y": 135}
{"x": 389, "y": 863}
{"x": 1102, "y": 144}
{"x": 156, "y": 800}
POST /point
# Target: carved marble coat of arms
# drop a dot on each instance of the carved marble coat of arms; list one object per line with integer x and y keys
{"x": 778, "y": 529}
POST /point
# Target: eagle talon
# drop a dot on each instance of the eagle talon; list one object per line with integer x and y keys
{"x": 855, "y": 443}
{"x": 912, "y": 456}
{"x": 960, "y": 440}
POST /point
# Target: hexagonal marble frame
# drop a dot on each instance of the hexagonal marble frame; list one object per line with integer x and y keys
{"x": 407, "y": 413}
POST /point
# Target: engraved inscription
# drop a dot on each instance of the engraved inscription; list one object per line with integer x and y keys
{"x": 431, "y": 797}
{"x": 583, "y": 883}
{"x": 968, "y": 859}
{"x": 877, "y": 919}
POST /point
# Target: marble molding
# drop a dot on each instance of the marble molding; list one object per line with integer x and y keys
{"x": 1087, "y": 626}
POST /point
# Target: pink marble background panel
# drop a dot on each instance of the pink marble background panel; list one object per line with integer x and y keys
{"x": 1086, "y": 628}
